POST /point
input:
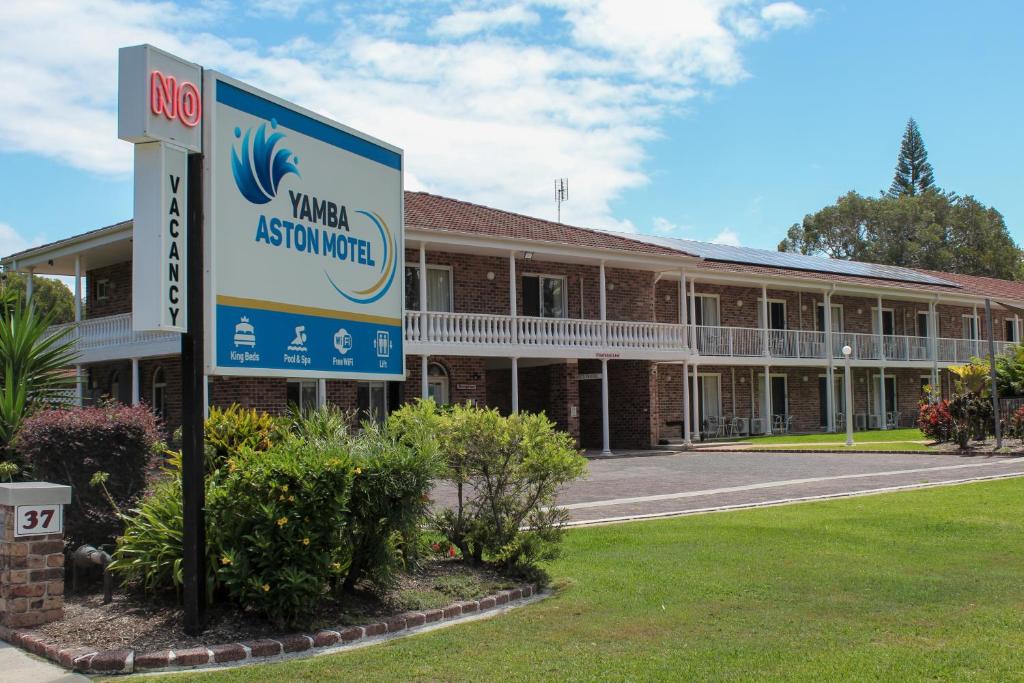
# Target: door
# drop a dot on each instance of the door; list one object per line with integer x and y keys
{"x": 437, "y": 384}
{"x": 838, "y": 396}
{"x": 779, "y": 397}
{"x": 888, "y": 322}
{"x": 710, "y": 389}
{"x": 922, "y": 324}
{"x": 890, "y": 396}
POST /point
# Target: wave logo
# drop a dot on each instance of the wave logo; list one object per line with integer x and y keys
{"x": 258, "y": 166}
{"x": 388, "y": 267}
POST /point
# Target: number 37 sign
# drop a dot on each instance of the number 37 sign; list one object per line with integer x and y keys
{"x": 36, "y": 520}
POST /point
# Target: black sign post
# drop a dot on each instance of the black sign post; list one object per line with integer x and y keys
{"x": 193, "y": 474}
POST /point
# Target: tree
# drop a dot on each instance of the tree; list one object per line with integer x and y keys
{"x": 932, "y": 229}
{"x": 913, "y": 172}
{"x": 48, "y": 295}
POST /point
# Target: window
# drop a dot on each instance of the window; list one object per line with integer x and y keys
{"x": 888, "y": 322}
{"x": 160, "y": 393}
{"x": 970, "y": 327}
{"x": 922, "y": 324}
{"x": 544, "y": 296}
{"x": 776, "y": 315}
{"x": 1011, "y": 330}
{"x": 837, "y": 318}
{"x": 705, "y": 310}
{"x": 437, "y": 384}
{"x": 372, "y": 399}
{"x": 102, "y": 290}
{"x": 302, "y": 394}
{"x": 439, "y": 288}
{"x": 709, "y": 391}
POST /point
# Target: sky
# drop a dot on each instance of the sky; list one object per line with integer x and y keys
{"x": 719, "y": 120}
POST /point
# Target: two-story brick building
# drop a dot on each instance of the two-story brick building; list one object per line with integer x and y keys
{"x": 623, "y": 340}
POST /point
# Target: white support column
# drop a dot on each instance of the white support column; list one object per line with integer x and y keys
{"x": 512, "y": 297}
{"x": 765, "y": 323}
{"x": 693, "y": 315}
{"x": 686, "y": 406}
{"x": 695, "y": 393}
{"x": 423, "y": 291}
{"x": 768, "y": 407}
{"x": 605, "y": 433}
{"x": 682, "y": 301}
{"x": 135, "y": 382}
{"x": 977, "y": 332}
{"x": 830, "y": 388}
{"x": 881, "y": 397}
{"x": 515, "y": 385}
{"x": 321, "y": 393}
{"x": 881, "y": 331}
{"x": 933, "y": 342}
{"x": 78, "y": 288}
{"x": 79, "y": 389}
{"x": 603, "y": 297}
{"x": 424, "y": 380}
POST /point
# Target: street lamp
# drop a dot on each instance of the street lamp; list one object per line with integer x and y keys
{"x": 848, "y": 390}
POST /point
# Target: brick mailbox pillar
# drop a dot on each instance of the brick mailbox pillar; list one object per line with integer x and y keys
{"x": 32, "y": 553}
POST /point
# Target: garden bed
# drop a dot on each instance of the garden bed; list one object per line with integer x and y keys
{"x": 136, "y": 633}
{"x": 988, "y": 446}
{"x": 140, "y": 622}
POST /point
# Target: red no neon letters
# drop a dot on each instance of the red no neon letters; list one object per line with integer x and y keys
{"x": 174, "y": 100}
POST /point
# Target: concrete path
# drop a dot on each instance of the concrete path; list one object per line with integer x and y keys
{"x": 629, "y": 488}
{"x": 18, "y": 666}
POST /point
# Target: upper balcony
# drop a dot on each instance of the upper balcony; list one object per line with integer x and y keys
{"x": 473, "y": 334}
{"x": 526, "y": 336}
{"x": 810, "y": 346}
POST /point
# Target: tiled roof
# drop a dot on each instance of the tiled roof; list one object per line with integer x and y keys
{"x": 430, "y": 211}
{"x": 983, "y": 286}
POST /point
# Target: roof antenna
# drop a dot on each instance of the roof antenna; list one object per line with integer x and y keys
{"x": 561, "y": 194}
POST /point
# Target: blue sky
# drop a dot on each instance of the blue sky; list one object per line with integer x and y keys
{"x": 707, "y": 119}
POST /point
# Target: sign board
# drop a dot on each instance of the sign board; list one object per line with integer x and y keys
{"x": 304, "y": 241}
{"x": 159, "y": 98}
{"x": 38, "y": 520}
{"x": 158, "y": 238}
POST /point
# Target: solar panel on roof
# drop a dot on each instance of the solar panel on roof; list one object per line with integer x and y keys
{"x": 782, "y": 259}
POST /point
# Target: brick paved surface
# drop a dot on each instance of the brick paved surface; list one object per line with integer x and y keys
{"x": 663, "y": 484}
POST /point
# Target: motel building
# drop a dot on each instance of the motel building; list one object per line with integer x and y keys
{"x": 625, "y": 341}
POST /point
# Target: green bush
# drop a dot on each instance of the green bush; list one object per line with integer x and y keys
{"x": 389, "y": 502}
{"x": 280, "y": 515}
{"x": 320, "y": 508}
{"x": 506, "y": 471}
{"x": 229, "y": 430}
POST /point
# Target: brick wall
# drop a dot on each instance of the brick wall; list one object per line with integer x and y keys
{"x": 552, "y": 389}
{"x": 632, "y": 404}
{"x": 119, "y": 290}
{"x": 467, "y": 378}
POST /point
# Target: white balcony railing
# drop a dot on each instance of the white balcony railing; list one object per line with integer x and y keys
{"x": 479, "y": 329}
{"x": 109, "y": 331}
{"x": 113, "y": 337}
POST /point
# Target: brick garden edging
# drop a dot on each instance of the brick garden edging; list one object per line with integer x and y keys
{"x": 91, "y": 661}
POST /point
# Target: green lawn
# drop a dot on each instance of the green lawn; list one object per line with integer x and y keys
{"x": 857, "y": 446}
{"x": 913, "y": 434}
{"x": 923, "y": 585}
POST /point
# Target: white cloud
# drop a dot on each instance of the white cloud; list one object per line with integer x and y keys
{"x": 11, "y": 241}
{"x": 663, "y": 226}
{"x": 727, "y": 236}
{"x": 287, "y": 9}
{"x": 486, "y": 118}
{"x": 782, "y": 15}
{"x": 467, "y": 22}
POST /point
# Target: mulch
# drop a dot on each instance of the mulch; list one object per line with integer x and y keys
{"x": 986, "y": 447}
{"x": 146, "y": 622}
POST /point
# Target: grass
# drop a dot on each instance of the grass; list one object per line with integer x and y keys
{"x": 922, "y": 585}
{"x": 874, "y": 435}
{"x": 857, "y": 446}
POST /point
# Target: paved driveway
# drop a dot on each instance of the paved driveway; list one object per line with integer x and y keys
{"x": 665, "y": 484}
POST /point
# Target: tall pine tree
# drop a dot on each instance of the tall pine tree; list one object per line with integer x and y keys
{"x": 913, "y": 172}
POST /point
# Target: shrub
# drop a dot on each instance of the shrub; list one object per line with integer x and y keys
{"x": 279, "y": 519}
{"x": 1016, "y": 426}
{"x": 506, "y": 471}
{"x": 935, "y": 422}
{"x": 71, "y": 446}
{"x": 229, "y": 430}
{"x": 389, "y": 502}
